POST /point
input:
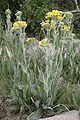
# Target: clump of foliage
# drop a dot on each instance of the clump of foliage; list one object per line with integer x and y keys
{"x": 63, "y": 25}
{"x": 33, "y": 71}
{"x": 66, "y": 5}
{"x": 32, "y": 80}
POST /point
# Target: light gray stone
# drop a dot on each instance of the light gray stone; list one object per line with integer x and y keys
{"x": 72, "y": 115}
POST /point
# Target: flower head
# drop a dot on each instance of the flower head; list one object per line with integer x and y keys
{"x": 65, "y": 28}
{"x": 49, "y": 15}
{"x": 8, "y": 12}
{"x": 60, "y": 17}
{"x": 55, "y": 13}
{"x": 21, "y": 24}
{"x": 16, "y": 24}
{"x": 30, "y": 40}
{"x": 45, "y": 23}
{"x": 42, "y": 42}
{"x": 68, "y": 15}
{"x": 19, "y": 13}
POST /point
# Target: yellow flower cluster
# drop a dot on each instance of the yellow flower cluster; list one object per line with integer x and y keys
{"x": 42, "y": 42}
{"x": 45, "y": 23}
{"x": 65, "y": 28}
{"x": 48, "y": 23}
{"x": 19, "y": 24}
{"x": 55, "y": 13}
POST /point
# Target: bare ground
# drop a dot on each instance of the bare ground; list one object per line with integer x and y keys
{"x": 5, "y": 115}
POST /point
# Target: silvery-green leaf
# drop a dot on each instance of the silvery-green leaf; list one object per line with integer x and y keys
{"x": 35, "y": 115}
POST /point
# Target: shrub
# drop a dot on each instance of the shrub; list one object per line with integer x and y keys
{"x": 32, "y": 80}
{"x": 63, "y": 25}
{"x": 33, "y": 70}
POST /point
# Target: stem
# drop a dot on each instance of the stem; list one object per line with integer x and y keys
{"x": 77, "y": 5}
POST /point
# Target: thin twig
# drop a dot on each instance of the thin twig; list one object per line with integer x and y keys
{"x": 75, "y": 11}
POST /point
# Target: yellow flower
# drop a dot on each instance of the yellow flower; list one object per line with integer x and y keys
{"x": 55, "y": 13}
{"x": 42, "y": 42}
{"x": 46, "y": 17}
{"x": 30, "y": 40}
{"x": 49, "y": 14}
{"x": 59, "y": 17}
{"x": 18, "y": 24}
{"x": 22, "y": 24}
{"x": 65, "y": 28}
{"x": 45, "y": 23}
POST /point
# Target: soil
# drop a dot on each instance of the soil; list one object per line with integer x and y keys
{"x": 5, "y": 115}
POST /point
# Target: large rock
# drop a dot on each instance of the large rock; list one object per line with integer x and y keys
{"x": 72, "y": 115}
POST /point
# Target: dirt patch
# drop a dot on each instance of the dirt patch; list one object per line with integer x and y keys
{"x": 3, "y": 112}
{"x": 5, "y": 115}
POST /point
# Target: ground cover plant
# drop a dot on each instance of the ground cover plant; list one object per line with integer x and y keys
{"x": 41, "y": 77}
